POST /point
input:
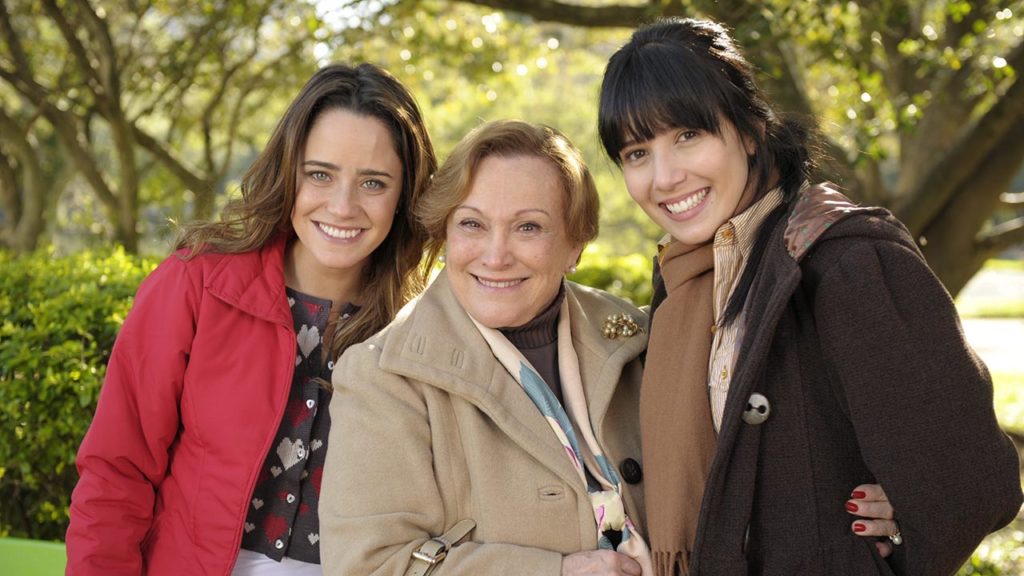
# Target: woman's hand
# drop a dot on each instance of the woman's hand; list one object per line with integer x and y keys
{"x": 876, "y": 516}
{"x": 599, "y": 563}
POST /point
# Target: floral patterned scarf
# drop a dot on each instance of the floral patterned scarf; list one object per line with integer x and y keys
{"x": 615, "y": 530}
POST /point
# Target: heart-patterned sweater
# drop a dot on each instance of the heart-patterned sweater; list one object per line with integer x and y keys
{"x": 282, "y": 516}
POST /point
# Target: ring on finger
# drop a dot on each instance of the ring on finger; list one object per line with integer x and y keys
{"x": 896, "y": 537}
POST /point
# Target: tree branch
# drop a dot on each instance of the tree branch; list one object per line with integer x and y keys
{"x": 109, "y": 73}
{"x": 788, "y": 91}
{"x": 246, "y": 90}
{"x": 31, "y": 203}
{"x": 9, "y": 197}
{"x": 78, "y": 50}
{"x": 1001, "y": 236}
{"x": 218, "y": 96}
{"x": 155, "y": 147}
{"x": 187, "y": 63}
{"x": 949, "y": 170}
{"x": 955, "y": 83}
{"x": 608, "y": 15}
{"x": 21, "y": 61}
{"x": 140, "y": 11}
{"x": 900, "y": 78}
{"x": 66, "y": 125}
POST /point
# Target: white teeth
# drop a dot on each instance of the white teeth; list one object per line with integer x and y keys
{"x": 493, "y": 284}
{"x": 687, "y": 203}
{"x": 340, "y": 233}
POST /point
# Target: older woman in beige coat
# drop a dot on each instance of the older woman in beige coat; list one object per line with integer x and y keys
{"x": 505, "y": 395}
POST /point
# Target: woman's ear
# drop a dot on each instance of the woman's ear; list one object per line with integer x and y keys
{"x": 749, "y": 143}
{"x": 575, "y": 254}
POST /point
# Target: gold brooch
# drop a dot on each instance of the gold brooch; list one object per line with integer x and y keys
{"x": 617, "y": 325}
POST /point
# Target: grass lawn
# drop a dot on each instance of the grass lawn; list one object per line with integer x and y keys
{"x": 1009, "y": 400}
{"x": 1002, "y": 553}
{"x": 996, "y": 291}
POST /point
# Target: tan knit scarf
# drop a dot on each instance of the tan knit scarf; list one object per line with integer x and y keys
{"x": 676, "y": 427}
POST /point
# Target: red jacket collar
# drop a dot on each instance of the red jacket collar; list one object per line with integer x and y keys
{"x": 253, "y": 281}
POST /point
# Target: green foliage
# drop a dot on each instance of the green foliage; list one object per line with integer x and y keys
{"x": 1008, "y": 390}
{"x": 60, "y": 317}
{"x": 1002, "y": 553}
{"x": 625, "y": 276}
{"x": 469, "y": 64}
{"x": 992, "y": 308}
{"x": 1010, "y": 265}
{"x": 999, "y": 297}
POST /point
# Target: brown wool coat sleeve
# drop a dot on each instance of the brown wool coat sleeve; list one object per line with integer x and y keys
{"x": 918, "y": 398}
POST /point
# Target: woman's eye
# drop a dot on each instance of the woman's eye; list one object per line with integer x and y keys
{"x": 688, "y": 135}
{"x": 374, "y": 184}
{"x": 634, "y": 155}
{"x": 529, "y": 227}
{"x": 319, "y": 175}
{"x": 469, "y": 224}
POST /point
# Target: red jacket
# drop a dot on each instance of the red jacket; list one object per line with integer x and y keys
{"x": 194, "y": 392}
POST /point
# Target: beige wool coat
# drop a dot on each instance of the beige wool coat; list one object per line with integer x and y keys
{"x": 428, "y": 429}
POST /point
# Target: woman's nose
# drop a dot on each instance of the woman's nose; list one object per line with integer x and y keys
{"x": 497, "y": 253}
{"x": 342, "y": 201}
{"x": 669, "y": 172}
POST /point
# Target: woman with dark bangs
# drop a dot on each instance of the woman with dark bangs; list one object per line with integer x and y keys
{"x": 800, "y": 348}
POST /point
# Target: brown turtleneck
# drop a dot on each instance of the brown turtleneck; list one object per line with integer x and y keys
{"x": 538, "y": 341}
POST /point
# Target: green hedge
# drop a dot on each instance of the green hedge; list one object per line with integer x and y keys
{"x": 625, "y": 276}
{"x": 60, "y": 316}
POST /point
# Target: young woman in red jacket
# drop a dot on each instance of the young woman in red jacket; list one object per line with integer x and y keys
{"x": 206, "y": 452}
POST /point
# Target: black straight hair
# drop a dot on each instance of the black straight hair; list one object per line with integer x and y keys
{"x": 688, "y": 73}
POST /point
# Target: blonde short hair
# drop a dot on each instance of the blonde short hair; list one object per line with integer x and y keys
{"x": 510, "y": 138}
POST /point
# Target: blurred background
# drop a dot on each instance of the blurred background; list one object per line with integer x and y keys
{"x": 120, "y": 118}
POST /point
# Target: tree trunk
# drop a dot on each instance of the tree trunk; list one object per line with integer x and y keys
{"x": 128, "y": 189}
{"x": 27, "y": 199}
{"x": 952, "y": 248}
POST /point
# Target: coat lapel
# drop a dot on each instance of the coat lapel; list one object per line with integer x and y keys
{"x": 439, "y": 345}
{"x": 254, "y": 282}
{"x": 738, "y": 443}
{"x": 601, "y": 359}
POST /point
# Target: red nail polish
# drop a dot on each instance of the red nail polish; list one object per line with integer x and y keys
{"x": 851, "y": 506}
{"x": 858, "y": 527}
{"x": 858, "y": 494}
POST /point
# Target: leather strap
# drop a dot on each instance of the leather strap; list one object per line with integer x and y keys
{"x": 433, "y": 551}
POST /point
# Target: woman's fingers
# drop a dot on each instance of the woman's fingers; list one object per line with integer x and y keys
{"x": 870, "y": 509}
{"x": 869, "y": 492}
{"x": 874, "y": 527}
{"x": 882, "y": 529}
{"x": 884, "y": 548}
{"x": 876, "y": 517}
{"x": 869, "y": 501}
{"x": 599, "y": 563}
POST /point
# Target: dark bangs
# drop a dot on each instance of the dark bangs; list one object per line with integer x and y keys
{"x": 653, "y": 87}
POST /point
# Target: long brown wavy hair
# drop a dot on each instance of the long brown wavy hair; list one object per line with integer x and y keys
{"x": 263, "y": 211}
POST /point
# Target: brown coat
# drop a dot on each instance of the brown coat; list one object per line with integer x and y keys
{"x": 428, "y": 429}
{"x": 860, "y": 354}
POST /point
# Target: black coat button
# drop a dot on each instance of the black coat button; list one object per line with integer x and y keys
{"x": 632, "y": 473}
